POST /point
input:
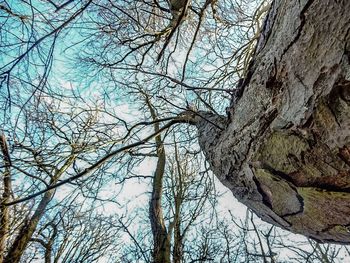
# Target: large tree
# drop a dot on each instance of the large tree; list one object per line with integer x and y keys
{"x": 285, "y": 148}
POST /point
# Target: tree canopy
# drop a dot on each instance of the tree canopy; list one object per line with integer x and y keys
{"x": 116, "y": 113}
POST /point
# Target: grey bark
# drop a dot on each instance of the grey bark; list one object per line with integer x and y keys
{"x": 285, "y": 149}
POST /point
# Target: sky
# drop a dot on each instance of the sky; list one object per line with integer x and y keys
{"x": 68, "y": 76}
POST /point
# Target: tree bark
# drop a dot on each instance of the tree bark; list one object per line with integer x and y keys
{"x": 161, "y": 239}
{"x": 6, "y": 195}
{"x": 285, "y": 149}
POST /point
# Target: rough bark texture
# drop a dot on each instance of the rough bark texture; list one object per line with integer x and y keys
{"x": 285, "y": 150}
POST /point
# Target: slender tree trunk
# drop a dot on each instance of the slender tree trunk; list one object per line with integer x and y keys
{"x": 285, "y": 150}
{"x": 178, "y": 244}
{"x": 25, "y": 234}
{"x": 179, "y": 197}
{"x": 161, "y": 247}
{"x": 6, "y": 195}
{"x": 161, "y": 239}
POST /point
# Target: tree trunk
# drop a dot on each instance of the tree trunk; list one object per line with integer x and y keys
{"x": 25, "y": 234}
{"x": 285, "y": 149}
{"x": 161, "y": 240}
{"x": 6, "y": 195}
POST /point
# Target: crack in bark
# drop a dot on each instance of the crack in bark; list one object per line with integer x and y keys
{"x": 278, "y": 223}
{"x": 324, "y": 230}
{"x": 300, "y": 28}
{"x": 267, "y": 27}
{"x": 265, "y": 33}
{"x": 324, "y": 185}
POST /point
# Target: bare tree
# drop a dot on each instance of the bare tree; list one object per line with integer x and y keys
{"x": 74, "y": 234}
{"x": 38, "y": 162}
{"x": 267, "y": 100}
